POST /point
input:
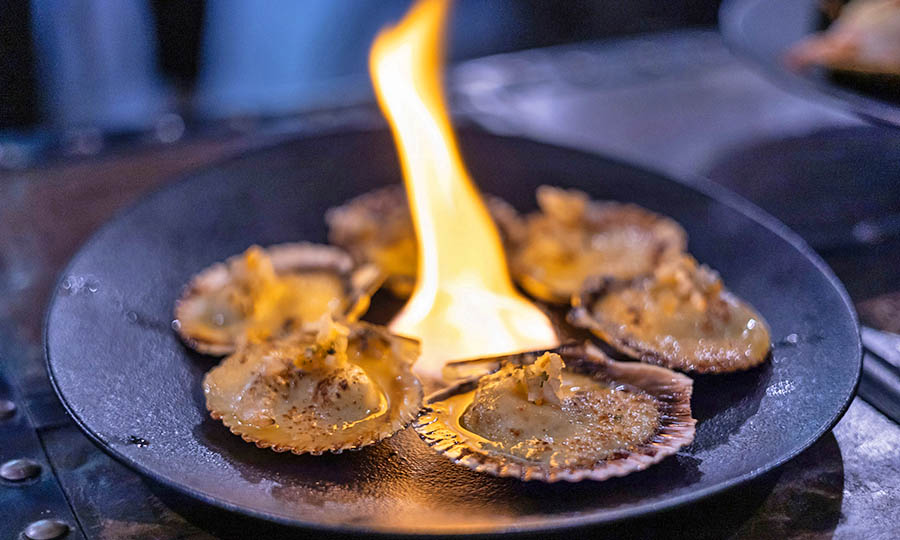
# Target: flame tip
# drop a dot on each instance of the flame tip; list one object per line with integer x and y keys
{"x": 464, "y": 304}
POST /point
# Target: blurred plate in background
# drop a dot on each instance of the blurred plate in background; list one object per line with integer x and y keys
{"x": 762, "y": 31}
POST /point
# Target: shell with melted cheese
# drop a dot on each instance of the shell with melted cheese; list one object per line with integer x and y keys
{"x": 682, "y": 317}
{"x": 266, "y": 292}
{"x": 540, "y": 414}
{"x": 565, "y": 415}
{"x": 573, "y": 238}
{"x": 334, "y": 388}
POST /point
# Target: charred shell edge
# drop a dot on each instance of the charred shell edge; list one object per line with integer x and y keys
{"x": 672, "y": 390}
{"x": 671, "y": 237}
{"x": 582, "y": 316}
{"x": 401, "y": 422}
{"x": 363, "y": 282}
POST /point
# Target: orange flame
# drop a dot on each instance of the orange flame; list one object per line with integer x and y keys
{"x": 464, "y": 304}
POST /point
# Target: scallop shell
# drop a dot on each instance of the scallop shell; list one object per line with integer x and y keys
{"x": 440, "y": 429}
{"x": 360, "y": 283}
{"x": 257, "y": 376}
{"x": 573, "y": 238}
{"x": 742, "y": 344}
{"x": 376, "y": 227}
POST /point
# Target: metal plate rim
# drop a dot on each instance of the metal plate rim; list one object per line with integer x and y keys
{"x": 706, "y": 187}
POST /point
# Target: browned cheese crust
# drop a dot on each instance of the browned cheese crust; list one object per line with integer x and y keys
{"x": 573, "y": 238}
{"x": 305, "y": 394}
{"x": 682, "y": 318}
{"x": 231, "y": 301}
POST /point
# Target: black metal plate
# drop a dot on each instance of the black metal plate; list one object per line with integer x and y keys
{"x": 763, "y": 30}
{"x": 122, "y": 373}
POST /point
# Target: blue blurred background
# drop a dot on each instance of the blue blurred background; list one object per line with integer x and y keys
{"x": 121, "y": 66}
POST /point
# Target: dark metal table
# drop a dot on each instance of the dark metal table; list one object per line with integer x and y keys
{"x": 676, "y": 102}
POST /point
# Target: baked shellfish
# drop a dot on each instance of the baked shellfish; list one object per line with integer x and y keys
{"x": 864, "y": 39}
{"x": 573, "y": 238}
{"x": 681, "y": 317}
{"x": 377, "y": 228}
{"x": 265, "y": 292}
{"x": 572, "y": 414}
{"x": 334, "y": 388}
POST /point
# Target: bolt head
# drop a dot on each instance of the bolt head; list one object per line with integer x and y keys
{"x": 18, "y": 470}
{"x": 46, "y": 529}
{"x": 7, "y": 409}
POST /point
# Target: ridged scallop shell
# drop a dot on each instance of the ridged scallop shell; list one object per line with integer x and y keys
{"x": 671, "y": 390}
{"x": 546, "y": 264}
{"x": 376, "y": 227}
{"x": 360, "y": 283}
{"x": 717, "y": 353}
{"x": 248, "y": 375}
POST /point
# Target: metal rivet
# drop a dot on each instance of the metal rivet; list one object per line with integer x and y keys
{"x": 7, "y": 409}
{"x": 20, "y": 469}
{"x": 46, "y": 529}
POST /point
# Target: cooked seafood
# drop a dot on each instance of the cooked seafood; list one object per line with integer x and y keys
{"x": 573, "y": 238}
{"x": 265, "y": 292}
{"x": 333, "y": 388}
{"x": 865, "y": 38}
{"x": 568, "y": 414}
{"x": 377, "y": 227}
{"x": 681, "y": 317}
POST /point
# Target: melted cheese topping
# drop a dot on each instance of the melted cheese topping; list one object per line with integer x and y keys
{"x": 313, "y": 391}
{"x": 685, "y": 314}
{"x": 258, "y": 303}
{"x": 589, "y": 422}
{"x": 330, "y": 348}
{"x": 574, "y": 238}
{"x": 303, "y": 385}
{"x": 285, "y": 401}
{"x": 540, "y": 381}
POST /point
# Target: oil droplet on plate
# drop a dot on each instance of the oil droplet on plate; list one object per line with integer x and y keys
{"x": 140, "y": 442}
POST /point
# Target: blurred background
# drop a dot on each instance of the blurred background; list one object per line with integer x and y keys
{"x": 81, "y": 74}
